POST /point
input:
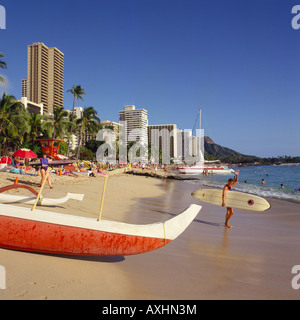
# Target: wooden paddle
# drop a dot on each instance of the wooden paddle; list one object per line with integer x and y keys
{"x": 102, "y": 200}
{"x": 42, "y": 187}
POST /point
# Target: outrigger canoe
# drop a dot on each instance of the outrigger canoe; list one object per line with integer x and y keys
{"x": 49, "y": 232}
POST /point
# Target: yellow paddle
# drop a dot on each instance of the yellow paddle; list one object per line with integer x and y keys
{"x": 102, "y": 200}
{"x": 42, "y": 187}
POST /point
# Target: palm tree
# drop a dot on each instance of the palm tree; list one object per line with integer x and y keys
{"x": 70, "y": 127}
{"x": 10, "y": 110}
{"x": 77, "y": 92}
{"x": 2, "y": 66}
{"x": 38, "y": 124}
{"x": 59, "y": 123}
{"x": 13, "y": 125}
{"x": 88, "y": 124}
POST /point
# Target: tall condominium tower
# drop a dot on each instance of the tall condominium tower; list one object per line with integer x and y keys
{"x": 24, "y": 87}
{"x": 164, "y": 137}
{"x": 45, "y": 76}
{"x": 135, "y": 119}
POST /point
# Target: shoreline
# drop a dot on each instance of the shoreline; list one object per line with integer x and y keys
{"x": 201, "y": 184}
{"x": 253, "y": 260}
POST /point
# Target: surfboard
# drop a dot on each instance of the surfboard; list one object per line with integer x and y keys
{"x": 234, "y": 199}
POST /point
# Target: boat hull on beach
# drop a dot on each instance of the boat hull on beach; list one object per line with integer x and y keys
{"x": 48, "y": 232}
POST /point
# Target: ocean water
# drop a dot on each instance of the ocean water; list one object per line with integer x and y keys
{"x": 250, "y": 179}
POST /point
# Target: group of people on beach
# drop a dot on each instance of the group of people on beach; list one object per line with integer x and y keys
{"x": 18, "y": 163}
{"x": 44, "y": 164}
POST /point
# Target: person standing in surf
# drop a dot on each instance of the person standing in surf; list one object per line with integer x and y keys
{"x": 228, "y": 186}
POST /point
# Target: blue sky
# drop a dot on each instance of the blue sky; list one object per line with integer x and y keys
{"x": 237, "y": 60}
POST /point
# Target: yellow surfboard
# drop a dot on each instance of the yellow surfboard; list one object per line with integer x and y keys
{"x": 234, "y": 199}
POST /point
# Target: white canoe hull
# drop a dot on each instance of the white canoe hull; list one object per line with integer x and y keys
{"x": 49, "y": 232}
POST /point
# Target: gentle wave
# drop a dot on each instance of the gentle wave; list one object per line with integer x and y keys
{"x": 250, "y": 181}
{"x": 265, "y": 192}
{"x": 259, "y": 191}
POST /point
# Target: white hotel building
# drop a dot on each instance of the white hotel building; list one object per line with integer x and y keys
{"x": 174, "y": 143}
{"x": 135, "y": 119}
{"x": 165, "y": 137}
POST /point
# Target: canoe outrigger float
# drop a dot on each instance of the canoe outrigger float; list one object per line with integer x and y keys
{"x": 11, "y": 198}
{"x": 48, "y": 232}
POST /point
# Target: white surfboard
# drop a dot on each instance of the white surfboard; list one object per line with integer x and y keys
{"x": 234, "y": 199}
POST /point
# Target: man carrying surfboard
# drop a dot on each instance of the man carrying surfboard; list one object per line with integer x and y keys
{"x": 228, "y": 186}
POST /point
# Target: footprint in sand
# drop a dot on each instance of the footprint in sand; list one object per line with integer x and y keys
{"x": 54, "y": 285}
{"x": 22, "y": 294}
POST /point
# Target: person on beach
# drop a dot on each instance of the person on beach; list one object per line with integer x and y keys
{"x": 166, "y": 170}
{"x": 19, "y": 163}
{"x": 44, "y": 168}
{"x": 263, "y": 182}
{"x": 228, "y": 186}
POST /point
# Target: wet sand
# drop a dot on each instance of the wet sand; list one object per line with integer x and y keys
{"x": 253, "y": 260}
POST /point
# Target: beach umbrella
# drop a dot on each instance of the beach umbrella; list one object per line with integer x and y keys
{"x": 25, "y": 154}
{"x": 6, "y": 160}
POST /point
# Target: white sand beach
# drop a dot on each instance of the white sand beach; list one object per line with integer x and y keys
{"x": 253, "y": 260}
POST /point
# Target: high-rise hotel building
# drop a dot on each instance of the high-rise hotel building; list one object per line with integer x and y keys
{"x": 135, "y": 119}
{"x": 45, "y": 76}
{"x": 165, "y": 137}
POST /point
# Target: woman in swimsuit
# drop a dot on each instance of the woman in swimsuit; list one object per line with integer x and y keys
{"x": 228, "y": 186}
{"x": 44, "y": 167}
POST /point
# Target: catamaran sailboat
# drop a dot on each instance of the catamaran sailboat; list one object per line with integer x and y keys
{"x": 200, "y": 167}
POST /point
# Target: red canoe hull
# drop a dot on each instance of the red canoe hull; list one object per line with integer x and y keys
{"x": 36, "y": 236}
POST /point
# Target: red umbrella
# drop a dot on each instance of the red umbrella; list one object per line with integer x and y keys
{"x": 25, "y": 154}
{"x": 6, "y": 160}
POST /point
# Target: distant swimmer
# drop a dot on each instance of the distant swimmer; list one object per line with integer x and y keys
{"x": 263, "y": 181}
{"x": 228, "y": 186}
{"x": 282, "y": 186}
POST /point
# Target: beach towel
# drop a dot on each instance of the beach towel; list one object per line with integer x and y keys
{"x": 16, "y": 171}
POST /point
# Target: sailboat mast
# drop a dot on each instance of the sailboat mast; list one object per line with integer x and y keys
{"x": 200, "y": 155}
{"x": 200, "y": 111}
